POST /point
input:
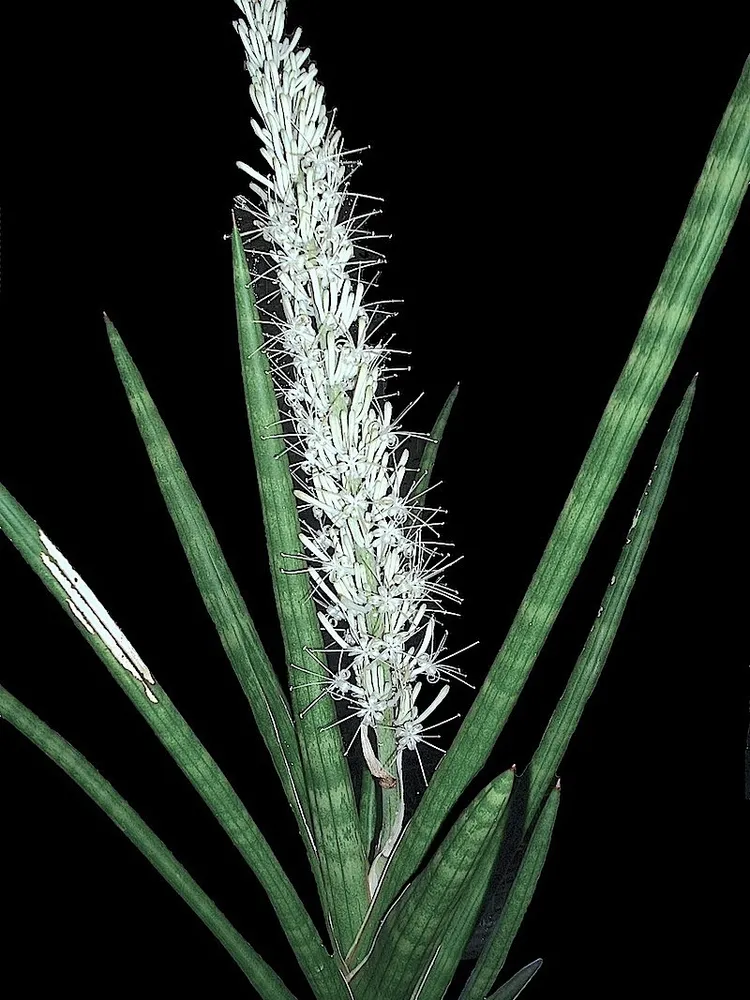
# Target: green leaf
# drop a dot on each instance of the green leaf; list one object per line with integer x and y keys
{"x": 492, "y": 958}
{"x": 463, "y": 918}
{"x": 405, "y": 944}
{"x": 696, "y": 250}
{"x": 219, "y": 590}
{"x": 259, "y": 973}
{"x": 512, "y": 989}
{"x": 429, "y": 454}
{"x": 535, "y": 782}
{"x": 343, "y": 863}
{"x": 546, "y": 760}
{"x": 152, "y": 701}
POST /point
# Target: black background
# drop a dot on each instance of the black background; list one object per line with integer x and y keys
{"x": 535, "y": 174}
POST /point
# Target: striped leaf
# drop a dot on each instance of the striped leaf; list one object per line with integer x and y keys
{"x": 546, "y": 760}
{"x": 259, "y": 973}
{"x": 696, "y": 250}
{"x": 463, "y": 919}
{"x": 535, "y": 782}
{"x": 151, "y": 700}
{"x": 218, "y": 588}
{"x": 492, "y": 958}
{"x": 343, "y": 885}
{"x": 405, "y": 944}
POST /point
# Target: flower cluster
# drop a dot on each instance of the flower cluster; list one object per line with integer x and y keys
{"x": 369, "y": 539}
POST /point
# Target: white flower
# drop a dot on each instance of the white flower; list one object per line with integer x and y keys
{"x": 375, "y": 568}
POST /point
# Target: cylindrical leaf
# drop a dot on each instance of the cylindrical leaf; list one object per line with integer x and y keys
{"x": 546, "y": 760}
{"x": 405, "y": 944}
{"x": 512, "y": 989}
{"x": 333, "y": 809}
{"x": 154, "y": 704}
{"x": 75, "y": 765}
{"x": 493, "y": 956}
{"x": 702, "y": 235}
{"x": 218, "y": 588}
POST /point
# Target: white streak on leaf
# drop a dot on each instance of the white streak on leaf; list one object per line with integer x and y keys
{"x": 94, "y": 617}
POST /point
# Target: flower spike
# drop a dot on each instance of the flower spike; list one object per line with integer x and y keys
{"x": 369, "y": 540}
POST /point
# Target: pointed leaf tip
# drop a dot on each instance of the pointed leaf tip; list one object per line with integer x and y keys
{"x": 515, "y": 986}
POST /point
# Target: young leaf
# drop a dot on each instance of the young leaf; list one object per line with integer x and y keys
{"x": 704, "y": 230}
{"x": 405, "y": 943}
{"x": 259, "y": 973}
{"x": 493, "y": 955}
{"x": 429, "y": 454}
{"x": 333, "y": 809}
{"x": 544, "y": 764}
{"x": 512, "y": 989}
{"x": 462, "y": 919}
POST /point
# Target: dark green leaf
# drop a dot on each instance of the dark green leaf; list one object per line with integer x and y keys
{"x": 406, "y": 942}
{"x": 154, "y": 704}
{"x": 546, "y": 760}
{"x": 694, "y": 255}
{"x": 427, "y": 461}
{"x": 492, "y": 958}
{"x": 261, "y": 976}
{"x": 218, "y": 588}
{"x": 463, "y": 918}
{"x": 512, "y": 989}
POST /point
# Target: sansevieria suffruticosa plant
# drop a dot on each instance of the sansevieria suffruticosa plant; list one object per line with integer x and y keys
{"x": 419, "y": 897}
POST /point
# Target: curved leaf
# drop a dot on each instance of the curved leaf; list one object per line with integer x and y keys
{"x": 75, "y": 765}
{"x": 151, "y": 700}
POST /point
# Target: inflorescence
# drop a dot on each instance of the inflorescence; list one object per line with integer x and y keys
{"x": 370, "y": 542}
